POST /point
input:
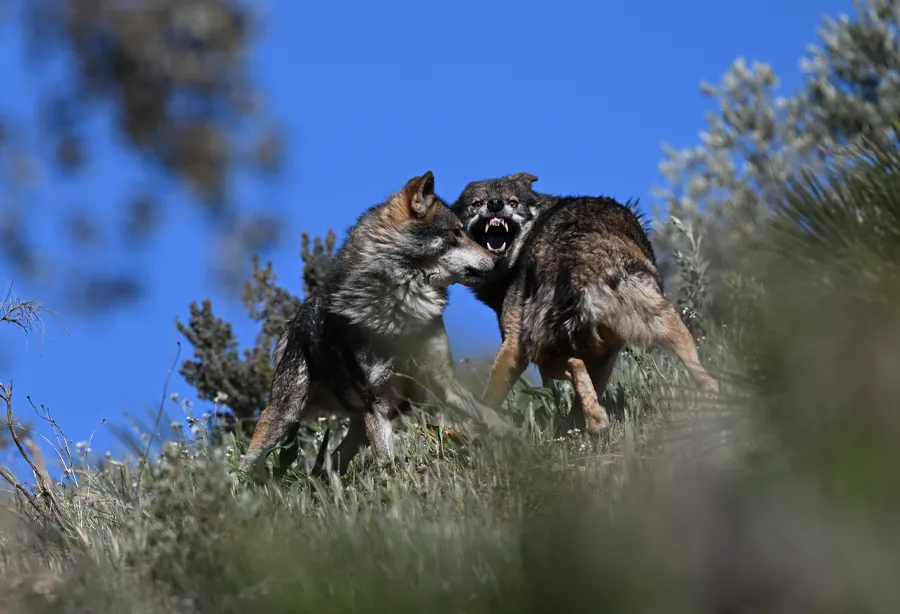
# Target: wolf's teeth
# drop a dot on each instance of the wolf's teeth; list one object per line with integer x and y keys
{"x": 505, "y": 227}
{"x": 487, "y": 225}
{"x": 503, "y": 247}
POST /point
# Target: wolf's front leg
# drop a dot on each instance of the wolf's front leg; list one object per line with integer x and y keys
{"x": 510, "y": 362}
{"x": 354, "y": 441}
{"x": 456, "y": 396}
{"x": 437, "y": 367}
{"x": 509, "y": 365}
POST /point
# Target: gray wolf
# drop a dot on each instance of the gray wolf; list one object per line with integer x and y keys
{"x": 577, "y": 281}
{"x": 370, "y": 340}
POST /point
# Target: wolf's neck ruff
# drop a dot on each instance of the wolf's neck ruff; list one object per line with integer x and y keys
{"x": 388, "y": 304}
{"x": 391, "y": 275}
{"x": 376, "y": 287}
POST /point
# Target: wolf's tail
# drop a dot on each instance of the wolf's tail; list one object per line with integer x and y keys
{"x": 626, "y": 303}
{"x": 622, "y": 306}
{"x": 279, "y": 421}
{"x": 627, "y": 307}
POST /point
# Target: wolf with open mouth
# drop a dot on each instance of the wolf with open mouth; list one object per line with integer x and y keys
{"x": 497, "y": 212}
{"x": 576, "y": 282}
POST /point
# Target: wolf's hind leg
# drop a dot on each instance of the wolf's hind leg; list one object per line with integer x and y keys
{"x": 280, "y": 420}
{"x": 595, "y": 416}
{"x": 599, "y": 370}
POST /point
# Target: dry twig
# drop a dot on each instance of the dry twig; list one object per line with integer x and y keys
{"x": 26, "y": 315}
{"x": 44, "y": 487}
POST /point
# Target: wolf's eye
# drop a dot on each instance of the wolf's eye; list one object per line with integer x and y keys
{"x": 513, "y": 202}
{"x": 475, "y": 203}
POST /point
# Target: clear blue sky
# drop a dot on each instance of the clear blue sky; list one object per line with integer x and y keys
{"x": 581, "y": 94}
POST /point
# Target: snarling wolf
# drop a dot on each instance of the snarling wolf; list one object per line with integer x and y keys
{"x": 370, "y": 341}
{"x": 577, "y": 281}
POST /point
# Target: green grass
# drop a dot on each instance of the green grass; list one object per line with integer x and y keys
{"x": 781, "y": 495}
{"x": 687, "y": 504}
{"x": 459, "y": 523}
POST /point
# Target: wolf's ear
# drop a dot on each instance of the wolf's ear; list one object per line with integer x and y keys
{"x": 525, "y": 178}
{"x": 418, "y": 196}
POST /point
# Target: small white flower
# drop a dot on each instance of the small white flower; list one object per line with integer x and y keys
{"x": 220, "y": 398}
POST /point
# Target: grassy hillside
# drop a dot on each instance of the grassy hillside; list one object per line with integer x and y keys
{"x": 781, "y": 495}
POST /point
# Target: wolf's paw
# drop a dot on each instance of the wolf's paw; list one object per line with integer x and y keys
{"x": 596, "y": 419}
{"x": 710, "y": 386}
{"x": 595, "y": 426}
{"x": 492, "y": 421}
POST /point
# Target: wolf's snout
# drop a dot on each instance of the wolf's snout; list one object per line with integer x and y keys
{"x": 495, "y": 206}
{"x": 477, "y": 272}
{"x": 483, "y": 262}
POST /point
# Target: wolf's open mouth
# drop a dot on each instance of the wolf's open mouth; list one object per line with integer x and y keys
{"x": 496, "y": 234}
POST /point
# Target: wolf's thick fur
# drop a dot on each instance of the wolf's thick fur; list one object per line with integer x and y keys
{"x": 371, "y": 339}
{"x": 577, "y": 282}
